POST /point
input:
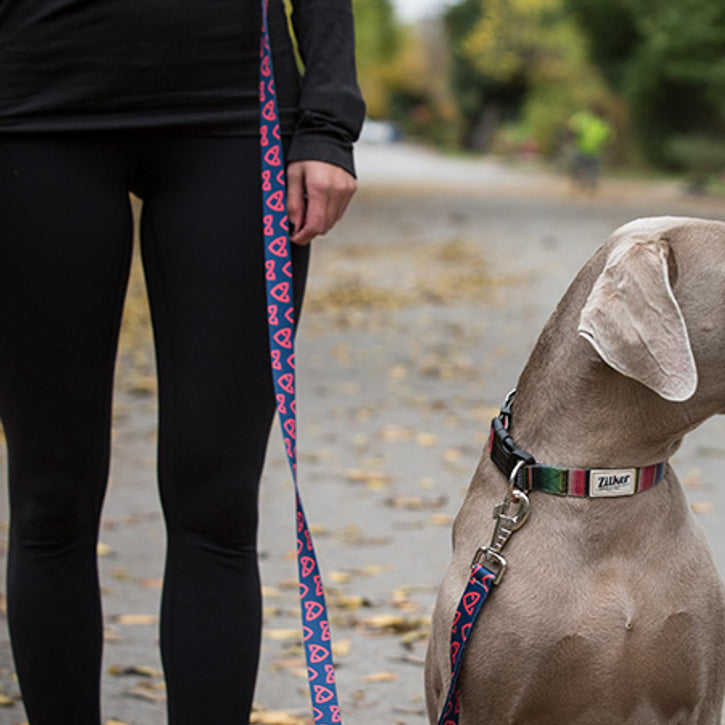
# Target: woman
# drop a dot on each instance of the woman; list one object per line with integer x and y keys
{"x": 158, "y": 97}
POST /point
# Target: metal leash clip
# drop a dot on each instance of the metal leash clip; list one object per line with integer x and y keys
{"x": 507, "y": 521}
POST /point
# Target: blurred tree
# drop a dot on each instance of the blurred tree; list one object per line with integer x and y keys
{"x": 419, "y": 91}
{"x": 520, "y": 59}
{"x": 666, "y": 58}
{"x": 481, "y": 99}
{"x": 403, "y": 72}
{"x": 379, "y": 41}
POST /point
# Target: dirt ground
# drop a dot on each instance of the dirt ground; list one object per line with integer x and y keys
{"x": 423, "y": 305}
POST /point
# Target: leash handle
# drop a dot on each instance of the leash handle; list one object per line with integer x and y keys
{"x": 281, "y": 323}
{"x": 479, "y": 586}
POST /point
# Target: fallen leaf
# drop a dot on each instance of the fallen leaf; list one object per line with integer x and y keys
{"x": 349, "y": 602}
{"x": 373, "y": 479}
{"x": 339, "y": 577}
{"x": 395, "y": 623}
{"x": 426, "y": 440}
{"x": 117, "y": 722}
{"x": 415, "y": 503}
{"x": 6, "y": 701}
{"x": 136, "y": 619}
{"x": 381, "y": 677}
{"x": 141, "y": 384}
{"x": 111, "y": 634}
{"x": 276, "y": 717}
{"x": 441, "y": 519}
{"x": 410, "y": 638}
{"x": 103, "y": 549}
{"x": 373, "y": 569}
{"x": 134, "y": 670}
{"x": 452, "y": 455}
{"x": 702, "y": 507}
{"x": 283, "y": 634}
{"x": 341, "y": 648}
{"x": 141, "y": 692}
{"x": 396, "y": 433}
{"x": 151, "y": 583}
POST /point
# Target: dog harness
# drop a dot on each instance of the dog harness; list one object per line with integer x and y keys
{"x": 524, "y": 475}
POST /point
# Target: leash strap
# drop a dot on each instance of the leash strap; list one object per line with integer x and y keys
{"x": 281, "y": 319}
{"x": 477, "y": 590}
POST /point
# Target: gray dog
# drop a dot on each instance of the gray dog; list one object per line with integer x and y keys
{"x": 611, "y": 611}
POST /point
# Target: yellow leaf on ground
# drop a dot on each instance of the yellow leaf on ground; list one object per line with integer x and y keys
{"x": 702, "y": 507}
{"x": 136, "y": 619}
{"x": 371, "y": 478}
{"x": 395, "y": 623}
{"x": 349, "y": 602}
{"x": 151, "y": 583}
{"x": 426, "y": 440}
{"x": 134, "y": 670}
{"x": 339, "y": 577}
{"x": 452, "y": 455}
{"x": 341, "y": 647}
{"x": 381, "y": 677}
{"x": 441, "y": 520}
{"x": 6, "y": 701}
{"x": 283, "y": 634}
{"x": 103, "y": 549}
{"x": 276, "y": 717}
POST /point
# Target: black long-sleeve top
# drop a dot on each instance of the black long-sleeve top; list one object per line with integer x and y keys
{"x": 192, "y": 65}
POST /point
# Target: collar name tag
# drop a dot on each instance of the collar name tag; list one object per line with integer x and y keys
{"x": 612, "y": 482}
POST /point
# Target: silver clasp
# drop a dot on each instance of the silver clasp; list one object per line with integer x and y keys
{"x": 510, "y": 516}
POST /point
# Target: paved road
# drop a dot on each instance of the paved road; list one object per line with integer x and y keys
{"x": 423, "y": 306}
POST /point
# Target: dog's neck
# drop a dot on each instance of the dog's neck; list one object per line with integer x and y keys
{"x": 571, "y": 409}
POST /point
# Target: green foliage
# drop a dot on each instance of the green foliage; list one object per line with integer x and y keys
{"x": 481, "y": 98}
{"x": 378, "y": 41}
{"x": 523, "y": 60}
{"x": 402, "y": 73}
{"x": 666, "y": 58}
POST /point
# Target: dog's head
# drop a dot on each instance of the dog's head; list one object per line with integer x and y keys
{"x": 656, "y": 312}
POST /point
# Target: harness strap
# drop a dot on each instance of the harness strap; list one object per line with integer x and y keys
{"x": 281, "y": 319}
{"x": 480, "y": 583}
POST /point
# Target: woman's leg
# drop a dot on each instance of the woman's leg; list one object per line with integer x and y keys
{"x": 203, "y": 255}
{"x": 65, "y": 242}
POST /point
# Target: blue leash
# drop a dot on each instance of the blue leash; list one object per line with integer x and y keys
{"x": 481, "y": 581}
{"x": 281, "y": 319}
{"x": 477, "y": 590}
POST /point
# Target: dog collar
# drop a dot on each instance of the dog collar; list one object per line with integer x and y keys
{"x": 521, "y": 468}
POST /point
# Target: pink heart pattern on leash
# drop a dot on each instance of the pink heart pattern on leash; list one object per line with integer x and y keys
{"x": 281, "y": 322}
{"x": 477, "y": 590}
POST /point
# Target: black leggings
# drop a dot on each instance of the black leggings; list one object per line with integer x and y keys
{"x": 65, "y": 247}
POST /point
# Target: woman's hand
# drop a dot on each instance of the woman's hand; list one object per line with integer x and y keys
{"x": 317, "y": 195}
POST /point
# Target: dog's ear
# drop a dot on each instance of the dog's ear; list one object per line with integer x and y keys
{"x": 635, "y": 324}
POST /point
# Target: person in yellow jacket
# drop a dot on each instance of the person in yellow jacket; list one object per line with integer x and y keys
{"x": 590, "y": 133}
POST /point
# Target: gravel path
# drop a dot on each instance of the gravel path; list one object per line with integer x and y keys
{"x": 422, "y": 309}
